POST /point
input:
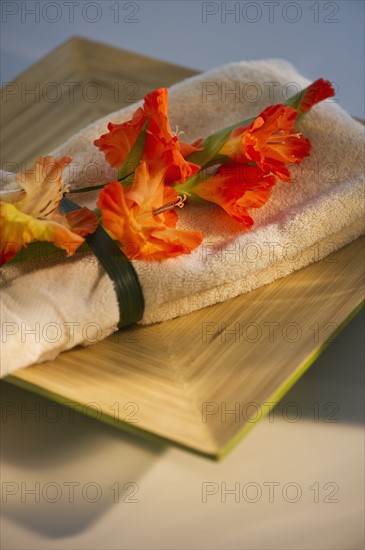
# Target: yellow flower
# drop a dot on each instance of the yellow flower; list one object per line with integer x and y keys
{"x": 31, "y": 212}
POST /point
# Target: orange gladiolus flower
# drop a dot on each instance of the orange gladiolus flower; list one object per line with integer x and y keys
{"x": 121, "y": 137}
{"x": 130, "y": 216}
{"x": 317, "y": 91}
{"x": 235, "y": 188}
{"x": 269, "y": 141}
{"x": 31, "y": 213}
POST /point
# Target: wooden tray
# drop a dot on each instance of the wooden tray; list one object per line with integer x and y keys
{"x": 202, "y": 380}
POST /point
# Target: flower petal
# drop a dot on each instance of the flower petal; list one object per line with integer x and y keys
{"x": 236, "y": 187}
{"x": 270, "y": 141}
{"x": 118, "y": 142}
{"x": 82, "y": 221}
{"x": 129, "y": 217}
{"x": 18, "y": 229}
{"x": 318, "y": 91}
{"x": 43, "y": 186}
{"x": 163, "y": 150}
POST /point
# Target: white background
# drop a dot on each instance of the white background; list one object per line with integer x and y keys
{"x": 326, "y": 40}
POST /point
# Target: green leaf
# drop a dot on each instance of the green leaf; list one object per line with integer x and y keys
{"x": 214, "y": 143}
{"x": 118, "y": 267}
{"x": 188, "y": 187}
{"x": 131, "y": 162}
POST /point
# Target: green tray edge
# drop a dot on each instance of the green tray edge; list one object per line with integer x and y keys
{"x": 155, "y": 438}
{"x": 291, "y": 380}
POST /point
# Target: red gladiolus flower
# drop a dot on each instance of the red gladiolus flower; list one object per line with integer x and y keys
{"x": 318, "y": 91}
{"x": 235, "y": 188}
{"x": 130, "y": 216}
{"x": 121, "y": 137}
{"x": 269, "y": 141}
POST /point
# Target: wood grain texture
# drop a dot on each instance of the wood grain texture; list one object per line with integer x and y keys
{"x": 72, "y": 86}
{"x": 201, "y": 380}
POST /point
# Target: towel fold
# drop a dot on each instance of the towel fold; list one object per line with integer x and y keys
{"x": 49, "y": 306}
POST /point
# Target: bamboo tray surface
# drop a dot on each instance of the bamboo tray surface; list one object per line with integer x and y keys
{"x": 202, "y": 380}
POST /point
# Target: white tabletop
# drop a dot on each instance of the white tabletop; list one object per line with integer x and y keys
{"x": 76, "y": 484}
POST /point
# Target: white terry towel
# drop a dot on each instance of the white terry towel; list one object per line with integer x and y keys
{"x": 50, "y": 307}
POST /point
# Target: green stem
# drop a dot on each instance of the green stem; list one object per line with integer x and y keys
{"x": 96, "y": 187}
{"x": 214, "y": 143}
{"x": 188, "y": 187}
{"x": 87, "y": 189}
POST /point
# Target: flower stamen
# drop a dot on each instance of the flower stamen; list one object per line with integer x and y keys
{"x": 179, "y": 203}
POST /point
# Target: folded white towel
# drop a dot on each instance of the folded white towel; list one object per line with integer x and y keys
{"x": 49, "y": 307}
